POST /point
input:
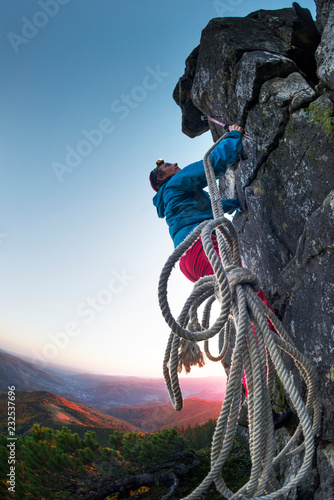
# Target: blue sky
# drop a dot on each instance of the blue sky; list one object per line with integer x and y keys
{"x": 87, "y": 108}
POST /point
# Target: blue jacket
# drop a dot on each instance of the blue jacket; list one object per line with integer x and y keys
{"x": 182, "y": 199}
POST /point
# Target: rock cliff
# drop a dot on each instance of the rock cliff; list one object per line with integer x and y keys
{"x": 273, "y": 73}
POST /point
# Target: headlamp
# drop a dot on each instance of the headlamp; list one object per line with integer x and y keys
{"x": 159, "y": 162}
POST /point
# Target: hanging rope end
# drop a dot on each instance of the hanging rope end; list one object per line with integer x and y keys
{"x": 189, "y": 355}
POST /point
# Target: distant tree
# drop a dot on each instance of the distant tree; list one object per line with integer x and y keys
{"x": 115, "y": 439}
{"x": 89, "y": 441}
{"x": 199, "y": 436}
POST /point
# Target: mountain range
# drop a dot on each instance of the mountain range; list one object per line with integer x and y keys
{"x": 49, "y": 410}
{"x": 195, "y": 411}
{"x": 101, "y": 391}
{"x": 57, "y": 396}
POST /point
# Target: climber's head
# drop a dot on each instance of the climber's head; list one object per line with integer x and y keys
{"x": 162, "y": 173}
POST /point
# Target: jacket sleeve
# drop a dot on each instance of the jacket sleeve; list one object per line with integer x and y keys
{"x": 193, "y": 176}
{"x": 226, "y": 152}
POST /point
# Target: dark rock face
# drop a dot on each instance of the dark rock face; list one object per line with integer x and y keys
{"x": 273, "y": 72}
{"x": 239, "y": 52}
{"x": 291, "y": 182}
{"x": 325, "y": 55}
{"x": 192, "y": 124}
{"x": 323, "y": 9}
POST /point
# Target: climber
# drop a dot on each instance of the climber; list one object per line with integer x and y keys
{"x": 180, "y": 196}
{"x": 182, "y": 200}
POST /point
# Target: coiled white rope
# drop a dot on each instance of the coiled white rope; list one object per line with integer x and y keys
{"x": 235, "y": 288}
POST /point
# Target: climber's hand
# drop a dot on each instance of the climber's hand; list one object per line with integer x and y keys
{"x": 236, "y": 127}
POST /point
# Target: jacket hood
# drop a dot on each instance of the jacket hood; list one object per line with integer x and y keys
{"x": 158, "y": 202}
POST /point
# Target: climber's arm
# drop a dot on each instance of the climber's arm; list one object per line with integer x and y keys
{"x": 193, "y": 176}
{"x": 227, "y": 151}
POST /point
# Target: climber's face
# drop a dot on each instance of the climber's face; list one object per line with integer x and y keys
{"x": 166, "y": 170}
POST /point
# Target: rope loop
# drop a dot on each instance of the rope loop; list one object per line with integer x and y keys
{"x": 241, "y": 275}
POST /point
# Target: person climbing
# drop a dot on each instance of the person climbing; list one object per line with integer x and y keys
{"x": 183, "y": 202}
{"x": 180, "y": 196}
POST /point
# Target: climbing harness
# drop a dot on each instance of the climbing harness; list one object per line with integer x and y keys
{"x": 235, "y": 289}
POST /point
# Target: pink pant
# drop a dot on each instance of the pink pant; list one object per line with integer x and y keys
{"x": 195, "y": 264}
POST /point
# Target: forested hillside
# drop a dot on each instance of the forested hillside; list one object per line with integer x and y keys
{"x": 61, "y": 465}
